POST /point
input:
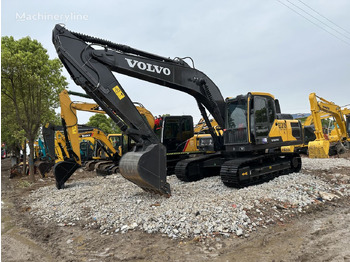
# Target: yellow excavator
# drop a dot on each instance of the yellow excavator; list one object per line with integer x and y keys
{"x": 70, "y": 122}
{"x": 254, "y": 130}
{"x": 60, "y": 147}
{"x": 71, "y": 140}
{"x": 335, "y": 133}
{"x": 308, "y": 134}
{"x": 202, "y": 140}
{"x": 96, "y": 141}
{"x": 55, "y": 141}
{"x": 104, "y": 150}
{"x": 339, "y": 138}
{"x": 106, "y": 146}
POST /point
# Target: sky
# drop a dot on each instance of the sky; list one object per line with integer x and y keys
{"x": 289, "y": 48}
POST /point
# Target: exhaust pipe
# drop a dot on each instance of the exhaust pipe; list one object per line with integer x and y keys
{"x": 147, "y": 169}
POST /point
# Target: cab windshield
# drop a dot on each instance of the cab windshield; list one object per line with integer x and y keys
{"x": 237, "y": 114}
{"x": 237, "y": 122}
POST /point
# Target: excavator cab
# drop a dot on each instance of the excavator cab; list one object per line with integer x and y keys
{"x": 175, "y": 131}
{"x": 254, "y": 122}
{"x": 86, "y": 150}
{"x": 119, "y": 142}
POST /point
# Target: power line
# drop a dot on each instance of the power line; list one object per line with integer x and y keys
{"x": 325, "y": 17}
{"x": 318, "y": 19}
{"x": 314, "y": 23}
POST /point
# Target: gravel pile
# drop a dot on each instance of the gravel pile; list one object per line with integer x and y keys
{"x": 203, "y": 208}
{"x": 324, "y": 164}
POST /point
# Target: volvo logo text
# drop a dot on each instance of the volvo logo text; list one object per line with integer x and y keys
{"x": 148, "y": 67}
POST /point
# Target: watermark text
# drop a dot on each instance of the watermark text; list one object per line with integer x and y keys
{"x": 23, "y": 17}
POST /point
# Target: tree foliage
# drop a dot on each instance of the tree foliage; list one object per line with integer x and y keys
{"x": 30, "y": 85}
{"x": 11, "y": 133}
{"x": 106, "y": 124}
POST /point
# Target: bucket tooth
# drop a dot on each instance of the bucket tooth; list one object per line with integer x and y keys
{"x": 63, "y": 171}
{"x": 147, "y": 169}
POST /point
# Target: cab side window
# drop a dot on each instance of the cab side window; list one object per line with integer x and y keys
{"x": 262, "y": 124}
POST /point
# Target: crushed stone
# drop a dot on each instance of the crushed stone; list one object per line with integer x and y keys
{"x": 114, "y": 205}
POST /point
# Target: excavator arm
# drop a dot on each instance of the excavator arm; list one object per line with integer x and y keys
{"x": 92, "y": 68}
{"x": 331, "y": 108}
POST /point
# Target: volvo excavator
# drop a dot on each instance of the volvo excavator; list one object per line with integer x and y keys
{"x": 249, "y": 151}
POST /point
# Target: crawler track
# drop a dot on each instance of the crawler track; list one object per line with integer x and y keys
{"x": 240, "y": 171}
{"x": 196, "y": 168}
{"x": 246, "y": 171}
{"x": 107, "y": 168}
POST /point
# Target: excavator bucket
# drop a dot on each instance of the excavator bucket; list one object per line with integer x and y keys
{"x": 147, "y": 169}
{"x": 44, "y": 166}
{"x": 318, "y": 149}
{"x": 63, "y": 171}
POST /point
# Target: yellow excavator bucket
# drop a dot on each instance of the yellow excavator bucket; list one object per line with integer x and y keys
{"x": 319, "y": 149}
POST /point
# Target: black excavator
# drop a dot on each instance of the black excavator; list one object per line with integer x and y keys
{"x": 255, "y": 133}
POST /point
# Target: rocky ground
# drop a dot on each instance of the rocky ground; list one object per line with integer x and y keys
{"x": 298, "y": 217}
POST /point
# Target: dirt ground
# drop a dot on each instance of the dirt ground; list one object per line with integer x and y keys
{"x": 322, "y": 234}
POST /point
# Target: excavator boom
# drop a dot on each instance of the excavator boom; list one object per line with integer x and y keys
{"x": 146, "y": 166}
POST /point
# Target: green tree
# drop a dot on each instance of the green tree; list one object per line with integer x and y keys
{"x": 11, "y": 133}
{"x": 106, "y": 124}
{"x": 56, "y": 120}
{"x": 30, "y": 85}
